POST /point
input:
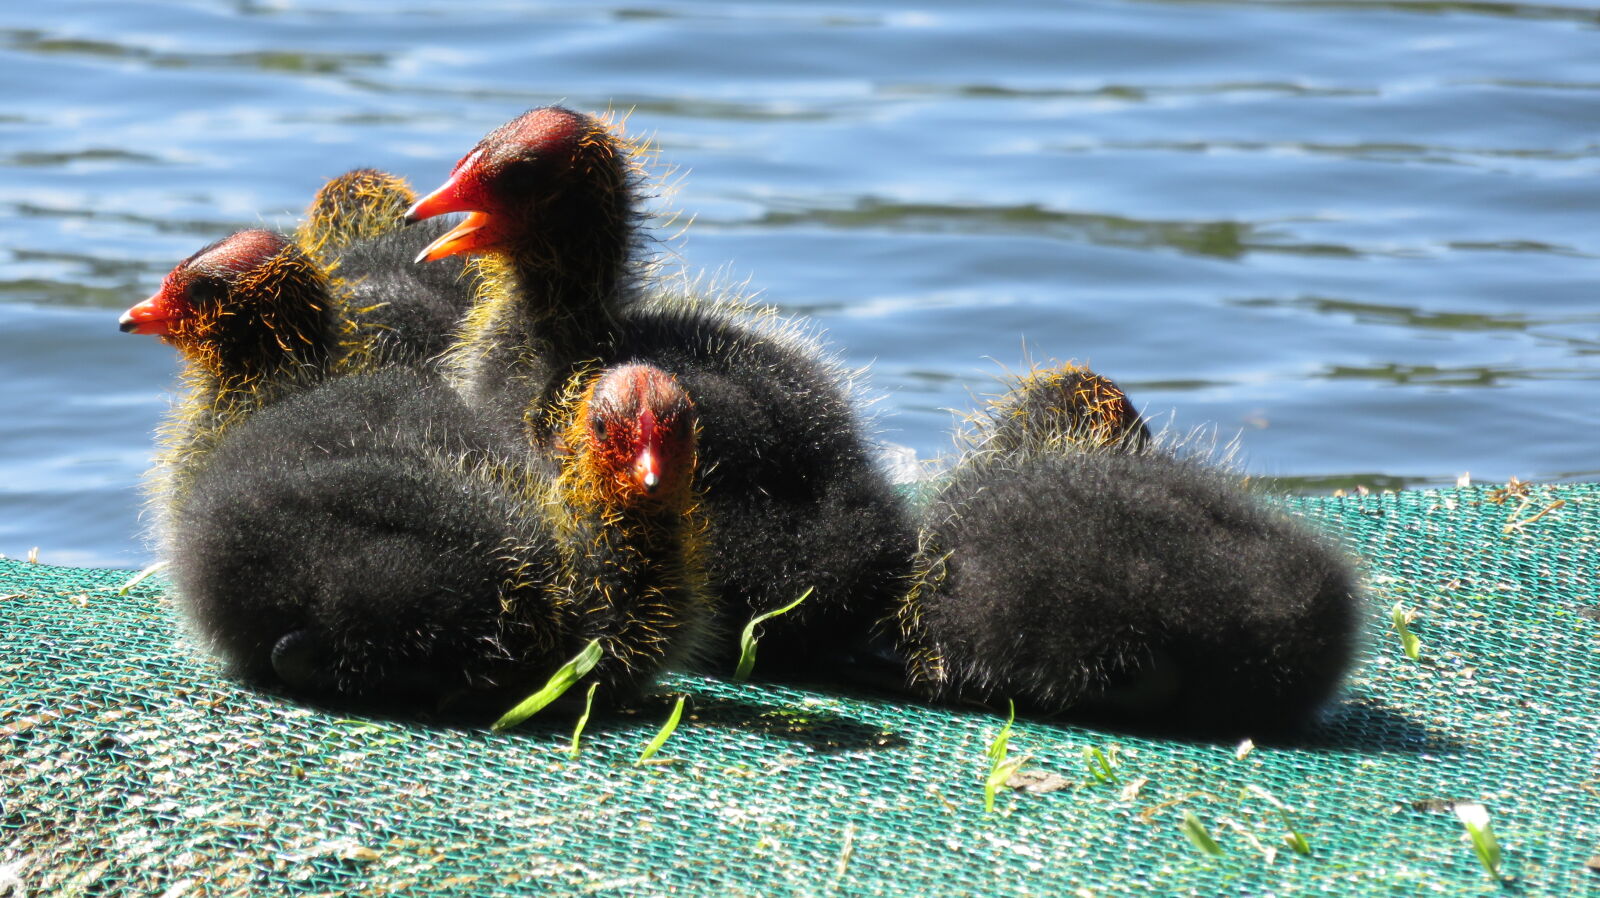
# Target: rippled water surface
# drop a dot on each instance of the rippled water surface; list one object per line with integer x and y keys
{"x": 1362, "y": 236}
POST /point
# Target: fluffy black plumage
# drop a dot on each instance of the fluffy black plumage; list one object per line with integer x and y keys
{"x": 793, "y": 497}
{"x": 402, "y": 313}
{"x": 375, "y": 540}
{"x": 397, "y": 312}
{"x": 1128, "y": 585}
{"x": 351, "y": 516}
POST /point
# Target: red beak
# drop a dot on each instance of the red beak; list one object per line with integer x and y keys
{"x": 647, "y": 471}
{"x": 647, "y": 465}
{"x": 476, "y": 234}
{"x": 153, "y": 316}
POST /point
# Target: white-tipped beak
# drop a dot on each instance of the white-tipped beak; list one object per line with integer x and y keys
{"x": 647, "y": 470}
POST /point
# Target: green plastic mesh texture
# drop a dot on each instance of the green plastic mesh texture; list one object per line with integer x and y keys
{"x": 131, "y": 768}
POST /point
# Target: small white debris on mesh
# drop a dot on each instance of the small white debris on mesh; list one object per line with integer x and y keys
{"x": 11, "y": 884}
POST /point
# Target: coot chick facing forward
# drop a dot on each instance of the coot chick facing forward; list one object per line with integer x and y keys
{"x": 373, "y": 541}
{"x": 793, "y": 499}
{"x": 1122, "y": 584}
{"x": 397, "y": 312}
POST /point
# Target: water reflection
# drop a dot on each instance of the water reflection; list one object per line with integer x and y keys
{"x": 290, "y": 61}
{"x": 1225, "y": 239}
{"x": 1536, "y": 11}
{"x": 1352, "y": 231}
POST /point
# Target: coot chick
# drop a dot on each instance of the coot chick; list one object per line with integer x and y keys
{"x": 1068, "y": 403}
{"x": 373, "y": 541}
{"x": 359, "y": 205}
{"x": 793, "y": 497}
{"x": 253, "y": 319}
{"x": 554, "y": 225}
{"x": 397, "y": 312}
{"x": 1121, "y": 584}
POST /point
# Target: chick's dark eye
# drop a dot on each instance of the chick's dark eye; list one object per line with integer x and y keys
{"x": 204, "y": 290}
{"x": 518, "y": 176}
{"x": 600, "y": 429}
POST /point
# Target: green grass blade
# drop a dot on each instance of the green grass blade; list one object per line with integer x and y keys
{"x": 1196, "y": 831}
{"x": 998, "y": 775}
{"x": 1102, "y": 767}
{"x": 747, "y": 639}
{"x": 667, "y": 730}
{"x": 997, "y": 748}
{"x": 1000, "y": 769}
{"x": 1297, "y": 842}
{"x": 583, "y": 720}
{"x": 1408, "y": 639}
{"x": 560, "y": 682}
{"x": 1475, "y": 817}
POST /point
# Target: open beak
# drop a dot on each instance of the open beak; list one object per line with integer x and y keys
{"x": 471, "y": 235}
{"x": 475, "y": 234}
{"x": 148, "y": 317}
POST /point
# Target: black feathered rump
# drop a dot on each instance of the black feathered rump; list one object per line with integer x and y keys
{"x": 354, "y": 514}
{"x": 400, "y": 312}
{"x": 376, "y": 539}
{"x": 1137, "y": 586}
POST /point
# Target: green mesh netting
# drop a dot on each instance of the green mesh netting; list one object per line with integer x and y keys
{"x": 131, "y": 767}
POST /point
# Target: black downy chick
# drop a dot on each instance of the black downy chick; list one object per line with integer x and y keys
{"x": 374, "y": 541}
{"x": 793, "y": 496}
{"x": 1068, "y": 567}
{"x": 396, "y": 312}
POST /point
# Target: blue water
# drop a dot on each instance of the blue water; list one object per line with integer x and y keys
{"x": 1361, "y": 236}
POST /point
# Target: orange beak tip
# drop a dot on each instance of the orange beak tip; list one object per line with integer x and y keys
{"x": 468, "y": 236}
{"x": 147, "y": 317}
{"x": 646, "y": 471}
{"x": 442, "y": 248}
{"x": 438, "y": 249}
